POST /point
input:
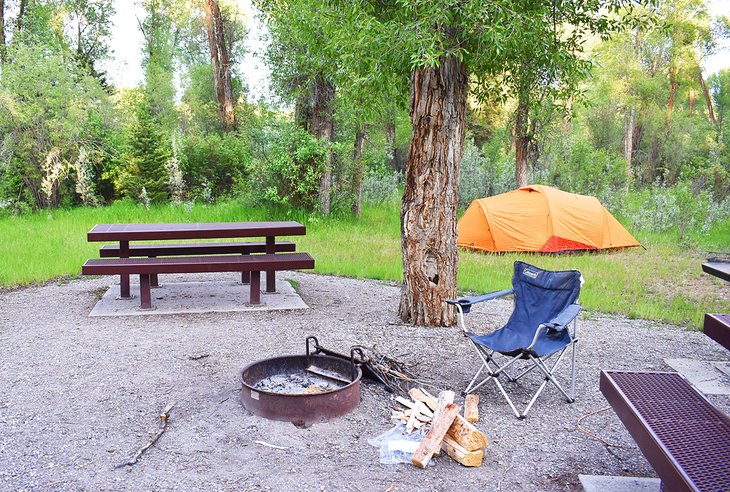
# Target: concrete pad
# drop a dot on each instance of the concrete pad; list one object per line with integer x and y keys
{"x": 597, "y": 483}
{"x": 709, "y": 377}
{"x": 180, "y": 297}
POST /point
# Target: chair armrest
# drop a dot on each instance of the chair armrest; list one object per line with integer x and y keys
{"x": 467, "y": 302}
{"x": 561, "y": 321}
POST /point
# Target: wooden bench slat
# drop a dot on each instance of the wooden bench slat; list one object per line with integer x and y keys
{"x": 112, "y": 251}
{"x": 685, "y": 438}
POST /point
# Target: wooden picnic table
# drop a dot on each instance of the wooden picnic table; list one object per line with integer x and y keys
{"x": 125, "y": 233}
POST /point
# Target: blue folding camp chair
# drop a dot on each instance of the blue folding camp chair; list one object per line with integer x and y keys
{"x": 545, "y": 304}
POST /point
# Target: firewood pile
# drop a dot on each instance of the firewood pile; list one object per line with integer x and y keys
{"x": 450, "y": 432}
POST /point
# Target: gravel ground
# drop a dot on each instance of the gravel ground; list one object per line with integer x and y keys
{"x": 80, "y": 395}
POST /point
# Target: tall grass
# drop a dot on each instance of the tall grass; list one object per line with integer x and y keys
{"x": 663, "y": 282}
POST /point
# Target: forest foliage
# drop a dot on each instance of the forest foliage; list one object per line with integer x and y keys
{"x": 633, "y": 121}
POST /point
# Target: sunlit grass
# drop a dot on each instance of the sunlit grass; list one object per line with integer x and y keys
{"x": 662, "y": 282}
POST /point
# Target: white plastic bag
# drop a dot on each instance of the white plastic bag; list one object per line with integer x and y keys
{"x": 396, "y": 445}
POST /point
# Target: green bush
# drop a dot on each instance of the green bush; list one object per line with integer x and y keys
{"x": 690, "y": 211}
{"x": 211, "y": 164}
{"x": 288, "y": 172}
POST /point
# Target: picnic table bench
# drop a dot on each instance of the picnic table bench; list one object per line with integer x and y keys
{"x": 150, "y": 260}
{"x": 685, "y": 438}
{"x": 717, "y": 326}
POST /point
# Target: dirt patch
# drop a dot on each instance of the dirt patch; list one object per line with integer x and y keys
{"x": 80, "y": 395}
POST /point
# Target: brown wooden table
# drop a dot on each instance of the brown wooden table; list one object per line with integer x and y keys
{"x": 125, "y": 233}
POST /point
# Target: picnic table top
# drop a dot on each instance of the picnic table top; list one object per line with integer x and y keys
{"x": 193, "y": 230}
{"x": 719, "y": 269}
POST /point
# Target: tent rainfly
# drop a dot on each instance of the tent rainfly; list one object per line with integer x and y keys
{"x": 543, "y": 219}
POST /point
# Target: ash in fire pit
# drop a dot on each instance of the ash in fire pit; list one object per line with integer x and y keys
{"x": 297, "y": 383}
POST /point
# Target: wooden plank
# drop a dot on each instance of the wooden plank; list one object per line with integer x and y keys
{"x": 432, "y": 441}
{"x": 471, "y": 408}
{"x": 468, "y": 436}
{"x": 460, "y": 454}
{"x": 419, "y": 394}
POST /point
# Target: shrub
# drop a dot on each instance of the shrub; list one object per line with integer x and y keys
{"x": 661, "y": 209}
{"x": 211, "y": 164}
{"x": 288, "y": 172}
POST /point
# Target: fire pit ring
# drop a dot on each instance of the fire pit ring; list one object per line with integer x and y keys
{"x": 302, "y": 408}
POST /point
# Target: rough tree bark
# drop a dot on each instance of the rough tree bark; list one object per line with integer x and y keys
{"x": 303, "y": 110}
{"x": 430, "y": 196}
{"x": 673, "y": 89}
{"x": 220, "y": 63}
{"x": 323, "y": 96}
{"x": 21, "y": 14}
{"x": 708, "y": 98}
{"x": 3, "y": 47}
{"x": 357, "y": 171}
{"x": 390, "y": 142}
{"x": 522, "y": 143}
{"x": 629, "y": 127}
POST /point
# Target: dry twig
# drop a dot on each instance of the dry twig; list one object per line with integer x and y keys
{"x": 165, "y": 417}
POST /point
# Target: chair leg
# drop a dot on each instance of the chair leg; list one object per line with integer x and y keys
{"x": 509, "y": 400}
{"x": 549, "y": 374}
{"x": 573, "y": 372}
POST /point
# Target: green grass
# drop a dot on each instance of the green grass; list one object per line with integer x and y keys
{"x": 663, "y": 282}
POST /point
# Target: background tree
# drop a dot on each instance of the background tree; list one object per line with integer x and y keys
{"x": 443, "y": 44}
{"x": 219, "y": 41}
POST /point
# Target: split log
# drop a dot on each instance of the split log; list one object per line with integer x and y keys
{"x": 471, "y": 408}
{"x": 421, "y": 395}
{"x": 432, "y": 442}
{"x": 411, "y": 424}
{"x": 445, "y": 397}
{"x": 404, "y": 402}
{"x": 423, "y": 410}
{"x": 468, "y": 436}
{"x": 460, "y": 454}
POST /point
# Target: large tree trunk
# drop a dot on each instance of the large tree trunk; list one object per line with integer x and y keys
{"x": 323, "y": 96}
{"x": 303, "y": 109}
{"x": 708, "y": 98}
{"x": 522, "y": 144}
{"x": 430, "y": 197}
{"x": 358, "y": 171}
{"x": 21, "y": 14}
{"x": 3, "y": 44}
{"x": 629, "y": 127}
{"x": 220, "y": 64}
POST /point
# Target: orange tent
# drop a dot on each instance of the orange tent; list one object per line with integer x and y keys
{"x": 540, "y": 218}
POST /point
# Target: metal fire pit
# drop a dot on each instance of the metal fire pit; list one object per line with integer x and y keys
{"x": 301, "y": 408}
